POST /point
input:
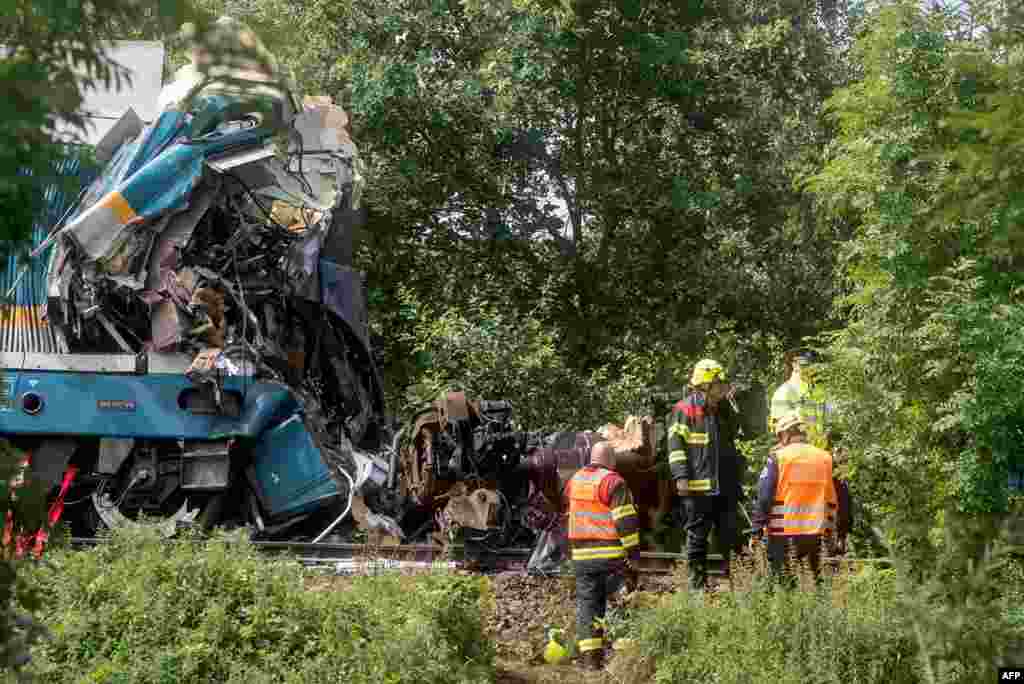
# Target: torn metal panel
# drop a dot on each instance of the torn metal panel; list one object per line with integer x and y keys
{"x": 162, "y": 185}
{"x": 232, "y": 159}
{"x": 176, "y": 234}
{"x": 127, "y": 128}
{"x": 245, "y": 165}
{"x": 303, "y": 268}
{"x": 342, "y": 292}
{"x": 168, "y": 326}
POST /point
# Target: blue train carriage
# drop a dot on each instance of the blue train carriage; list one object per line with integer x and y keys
{"x": 101, "y": 387}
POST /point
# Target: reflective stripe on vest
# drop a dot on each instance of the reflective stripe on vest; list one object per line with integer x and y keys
{"x": 589, "y": 519}
{"x": 624, "y": 511}
{"x": 600, "y": 552}
{"x": 698, "y": 439}
{"x": 805, "y": 498}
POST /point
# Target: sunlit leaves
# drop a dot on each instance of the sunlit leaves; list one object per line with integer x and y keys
{"x": 932, "y": 323}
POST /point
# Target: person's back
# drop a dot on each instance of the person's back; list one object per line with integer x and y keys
{"x": 805, "y": 496}
{"x": 797, "y": 501}
{"x": 604, "y": 536}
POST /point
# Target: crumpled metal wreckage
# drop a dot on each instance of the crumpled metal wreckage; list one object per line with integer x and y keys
{"x": 206, "y": 345}
{"x": 212, "y": 349}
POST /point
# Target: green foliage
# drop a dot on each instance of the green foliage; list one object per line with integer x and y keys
{"x": 139, "y": 609}
{"x": 928, "y": 363}
{"x": 19, "y": 599}
{"x": 54, "y": 54}
{"x": 849, "y": 634}
{"x": 489, "y": 352}
{"x": 953, "y": 617}
{"x": 958, "y": 605}
{"x": 624, "y": 177}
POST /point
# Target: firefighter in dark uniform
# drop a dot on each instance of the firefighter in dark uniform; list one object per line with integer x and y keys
{"x": 604, "y": 535}
{"x": 706, "y": 466}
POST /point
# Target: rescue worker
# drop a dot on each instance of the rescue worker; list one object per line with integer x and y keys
{"x": 800, "y": 395}
{"x": 706, "y": 466}
{"x": 604, "y": 537}
{"x": 797, "y": 506}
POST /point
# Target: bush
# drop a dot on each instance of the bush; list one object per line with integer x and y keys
{"x": 958, "y": 605}
{"x": 19, "y": 599}
{"x": 951, "y": 617}
{"x": 140, "y": 610}
{"x": 848, "y": 633}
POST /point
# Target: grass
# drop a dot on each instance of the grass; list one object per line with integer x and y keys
{"x": 857, "y": 628}
{"x": 142, "y": 611}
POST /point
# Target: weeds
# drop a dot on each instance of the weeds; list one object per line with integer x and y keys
{"x": 147, "y": 612}
{"x": 955, "y": 620}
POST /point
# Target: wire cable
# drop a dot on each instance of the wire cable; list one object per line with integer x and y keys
{"x": 348, "y": 507}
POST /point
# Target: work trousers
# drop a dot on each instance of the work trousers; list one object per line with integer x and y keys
{"x": 796, "y": 548}
{"x": 703, "y": 514}
{"x": 593, "y": 587}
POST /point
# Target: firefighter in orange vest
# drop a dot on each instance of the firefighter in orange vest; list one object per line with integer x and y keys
{"x": 604, "y": 535}
{"x": 797, "y": 507}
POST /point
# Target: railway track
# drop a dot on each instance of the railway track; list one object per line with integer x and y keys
{"x": 352, "y": 558}
{"x": 367, "y": 559}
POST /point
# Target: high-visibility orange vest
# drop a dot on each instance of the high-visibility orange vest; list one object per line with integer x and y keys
{"x": 589, "y": 519}
{"x": 805, "y": 496}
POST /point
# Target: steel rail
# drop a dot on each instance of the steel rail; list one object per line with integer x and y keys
{"x": 349, "y": 557}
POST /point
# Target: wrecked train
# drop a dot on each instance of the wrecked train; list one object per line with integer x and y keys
{"x": 188, "y": 342}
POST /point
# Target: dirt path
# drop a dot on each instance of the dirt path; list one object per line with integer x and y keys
{"x": 524, "y": 609}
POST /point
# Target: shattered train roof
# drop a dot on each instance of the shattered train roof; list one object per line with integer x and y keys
{"x": 213, "y": 232}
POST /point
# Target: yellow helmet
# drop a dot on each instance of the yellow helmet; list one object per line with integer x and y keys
{"x": 554, "y": 652}
{"x": 706, "y": 371}
{"x": 789, "y": 422}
